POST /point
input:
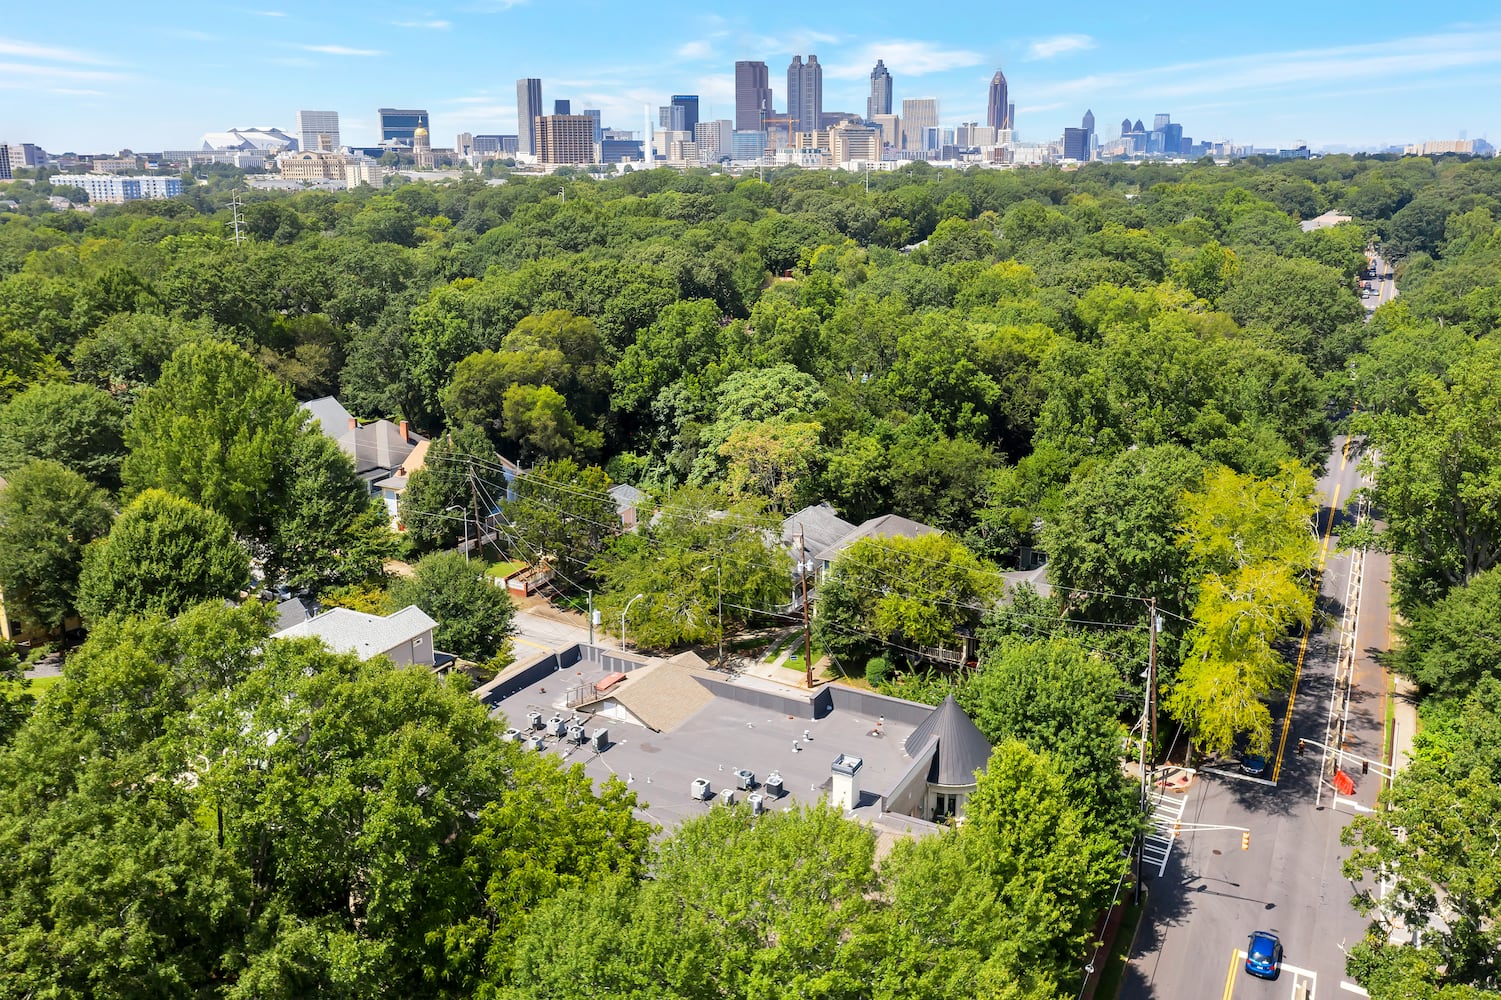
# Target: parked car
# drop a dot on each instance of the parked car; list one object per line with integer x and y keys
{"x": 1264, "y": 955}
{"x": 1253, "y": 764}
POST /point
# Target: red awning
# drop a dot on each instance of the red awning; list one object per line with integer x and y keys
{"x": 610, "y": 681}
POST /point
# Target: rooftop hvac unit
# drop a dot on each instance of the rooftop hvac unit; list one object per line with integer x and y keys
{"x": 773, "y": 785}
{"x": 745, "y": 780}
{"x": 599, "y": 740}
{"x": 757, "y": 803}
{"x": 535, "y": 743}
{"x": 534, "y": 720}
{"x": 726, "y": 796}
{"x": 576, "y": 734}
{"x": 557, "y": 726}
{"x": 701, "y": 789}
{"x": 511, "y": 735}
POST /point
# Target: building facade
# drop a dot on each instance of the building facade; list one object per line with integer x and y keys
{"x": 1075, "y": 144}
{"x": 999, "y": 108}
{"x": 752, "y": 96}
{"x": 851, "y": 143}
{"x": 918, "y": 116}
{"x": 891, "y": 129}
{"x": 747, "y": 144}
{"x": 879, "y": 101}
{"x": 528, "y": 110}
{"x": 400, "y": 124}
{"x": 318, "y": 131}
{"x": 310, "y": 166}
{"x": 564, "y": 139}
{"x": 689, "y": 104}
{"x": 805, "y": 93}
{"x": 715, "y": 140}
{"x": 113, "y": 189}
{"x": 5, "y": 171}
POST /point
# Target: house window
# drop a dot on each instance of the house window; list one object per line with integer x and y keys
{"x": 946, "y": 806}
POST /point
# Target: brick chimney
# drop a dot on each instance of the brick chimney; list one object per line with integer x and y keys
{"x": 404, "y": 435}
{"x": 354, "y": 424}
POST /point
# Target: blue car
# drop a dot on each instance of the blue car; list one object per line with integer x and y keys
{"x": 1264, "y": 955}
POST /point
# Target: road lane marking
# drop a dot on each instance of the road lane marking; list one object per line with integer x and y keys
{"x": 534, "y": 645}
{"x": 1236, "y": 957}
{"x": 1292, "y": 694}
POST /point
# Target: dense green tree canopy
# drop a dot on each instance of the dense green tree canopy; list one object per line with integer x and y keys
{"x": 48, "y": 514}
{"x": 474, "y": 617}
{"x": 76, "y": 426}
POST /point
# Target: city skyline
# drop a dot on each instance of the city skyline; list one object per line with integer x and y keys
{"x": 93, "y": 84}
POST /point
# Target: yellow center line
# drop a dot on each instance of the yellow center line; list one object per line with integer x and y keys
{"x": 528, "y": 642}
{"x": 1292, "y": 694}
{"x": 1230, "y": 976}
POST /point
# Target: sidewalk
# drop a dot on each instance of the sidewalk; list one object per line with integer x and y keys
{"x": 1404, "y": 721}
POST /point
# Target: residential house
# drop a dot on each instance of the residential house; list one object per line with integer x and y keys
{"x": 406, "y": 636}
{"x": 626, "y": 498}
{"x": 885, "y": 526}
{"x": 948, "y": 753}
{"x": 807, "y": 533}
{"x": 384, "y": 453}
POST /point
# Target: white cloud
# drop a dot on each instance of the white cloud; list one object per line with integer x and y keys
{"x": 436, "y": 25}
{"x": 904, "y": 58}
{"x": 1047, "y": 48}
{"x": 74, "y": 92}
{"x": 1297, "y": 70}
{"x": 495, "y": 6}
{"x": 29, "y": 50}
{"x": 340, "y": 50}
{"x": 696, "y": 50}
{"x": 269, "y": 13}
{"x": 27, "y": 69}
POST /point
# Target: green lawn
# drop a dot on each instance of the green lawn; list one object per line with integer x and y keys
{"x": 501, "y": 570}
{"x": 795, "y": 656}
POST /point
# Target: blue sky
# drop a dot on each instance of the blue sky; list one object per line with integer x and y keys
{"x": 93, "y": 76}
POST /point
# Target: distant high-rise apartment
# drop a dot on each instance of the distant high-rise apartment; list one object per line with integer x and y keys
{"x": 715, "y": 140}
{"x": 4, "y": 162}
{"x": 752, "y": 96}
{"x": 1076, "y": 144}
{"x": 317, "y": 130}
{"x": 918, "y": 115}
{"x": 879, "y": 101}
{"x": 400, "y": 123}
{"x": 564, "y": 139}
{"x": 1000, "y": 110}
{"x": 805, "y": 93}
{"x": 689, "y": 104}
{"x": 528, "y": 110}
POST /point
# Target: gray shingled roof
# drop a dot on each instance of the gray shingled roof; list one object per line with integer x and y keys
{"x": 962, "y": 748}
{"x": 666, "y": 694}
{"x": 345, "y": 631}
{"x": 821, "y": 525}
{"x": 885, "y": 526}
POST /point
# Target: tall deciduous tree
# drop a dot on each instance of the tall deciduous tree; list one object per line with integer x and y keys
{"x": 563, "y": 512}
{"x": 163, "y": 554}
{"x": 48, "y": 513}
{"x": 75, "y": 425}
{"x": 446, "y": 480}
{"x": 474, "y": 618}
{"x": 691, "y": 556}
{"x": 1439, "y": 480}
{"x": 215, "y": 429}
{"x": 902, "y": 593}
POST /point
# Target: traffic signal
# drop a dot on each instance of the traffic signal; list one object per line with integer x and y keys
{"x": 1300, "y": 748}
{"x": 1245, "y": 840}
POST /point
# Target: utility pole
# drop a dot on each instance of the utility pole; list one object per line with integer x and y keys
{"x": 479, "y": 531}
{"x": 234, "y": 212}
{"x": 802, "y": 565}
{"x": 719, "y": 570}
{"x": 1152, "y": 677}
{"x": 591, "y": 617}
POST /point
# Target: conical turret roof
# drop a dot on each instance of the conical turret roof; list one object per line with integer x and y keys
{"x": 962, "y": 748}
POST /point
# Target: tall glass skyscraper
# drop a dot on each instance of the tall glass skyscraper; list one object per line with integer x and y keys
{"x": 879, "y": 101}
{"x": 805, "y": 93}
{"x": 999, "y": 113}
{"x": 689, "y": 104}
{"x": 401, "y": 123}
{"x": 528, "y": 110}
{"x": 752, "y": 96}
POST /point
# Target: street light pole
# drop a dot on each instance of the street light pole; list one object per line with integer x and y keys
{"x": 622, "y": 618}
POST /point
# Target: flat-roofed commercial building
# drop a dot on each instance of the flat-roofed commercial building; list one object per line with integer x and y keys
{"x": 565, "y": 139}
{"x": 113, "y": 189}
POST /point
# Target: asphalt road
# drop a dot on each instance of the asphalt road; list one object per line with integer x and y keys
{"x": 1213, "y": 894}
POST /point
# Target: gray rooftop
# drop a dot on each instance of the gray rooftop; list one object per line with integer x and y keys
{"x": 962, "y": 748}
{"x": 885, "y": 526}
{"x": 346, "y": 631}
{"x": 821, "y": 525}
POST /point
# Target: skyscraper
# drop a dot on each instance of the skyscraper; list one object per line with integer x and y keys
{"x": 752, "y": 96}
{"x": 1076, "y": 144}
{"x": 599, "y": 131}
{"x": 1088, "y": 122}
{"x": 671, "y": 117}
{"x": 565, "y": 139}
{"x": 528, "y": 110}
{"x": 400, "y": 123}
{"x": 317, "y": 128}
{"x": 918, "y": 116}
{"x": 5, "y": 170}
{"x": 1000, "y": 110}
{"x": 879, "y": 101}
{"x": 1125, "y": 126}
{"x": 805, "y": 93}
{"x": 689, "y": 104}
{"x": 562, "y": 107}
{"x": 1160, "y": 120}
